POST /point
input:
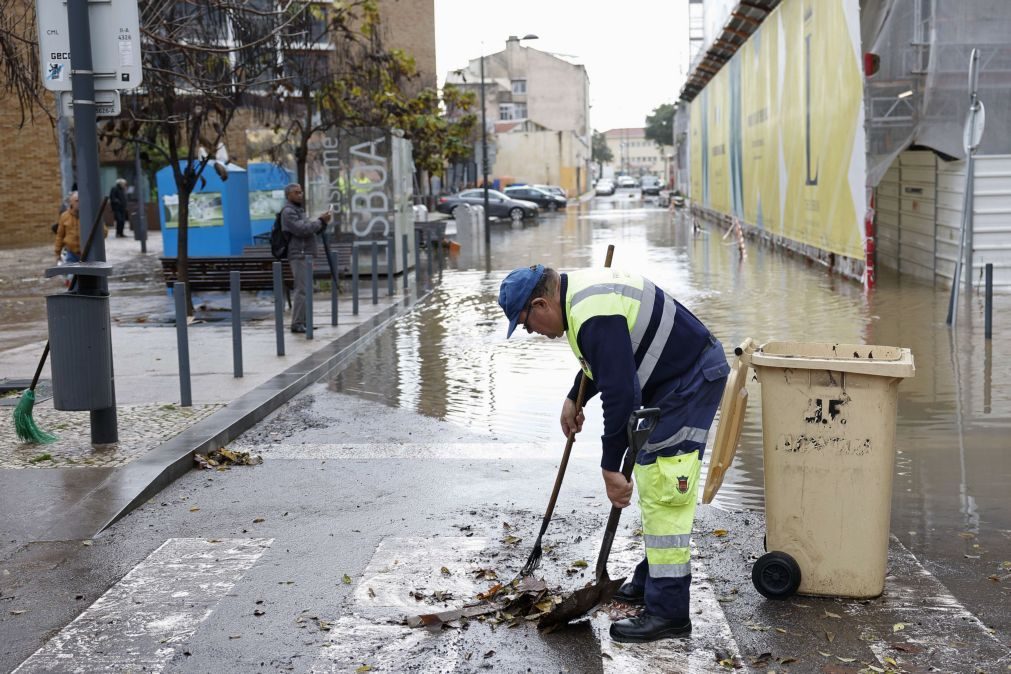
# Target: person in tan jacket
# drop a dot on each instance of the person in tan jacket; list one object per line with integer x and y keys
{"x": 68, "y": 230}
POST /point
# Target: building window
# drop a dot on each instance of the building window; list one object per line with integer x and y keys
{"x": 519, "y": 86}
{"x": 519, "y": 110}
{"x": 505, "y": 111}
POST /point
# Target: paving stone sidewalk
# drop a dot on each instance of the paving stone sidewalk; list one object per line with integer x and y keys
{"x": 141, "y": 429}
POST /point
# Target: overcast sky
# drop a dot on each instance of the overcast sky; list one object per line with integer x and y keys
{"x": 635, "y": 51}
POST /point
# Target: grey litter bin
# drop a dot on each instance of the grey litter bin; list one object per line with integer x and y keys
{"x": 80, "y": 344}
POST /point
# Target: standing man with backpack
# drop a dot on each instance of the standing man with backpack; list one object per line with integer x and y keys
{"x": 301, "y": 233}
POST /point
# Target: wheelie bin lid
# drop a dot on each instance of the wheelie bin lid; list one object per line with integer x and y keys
{"x": 882, "y": 361}
{"x": 728, "y": 430}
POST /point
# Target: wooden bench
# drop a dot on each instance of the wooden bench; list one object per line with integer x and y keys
{"x": 214, "y": 273}
{"x": 256, "y": 265}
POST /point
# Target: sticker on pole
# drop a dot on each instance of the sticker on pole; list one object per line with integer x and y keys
{"x": 107, "y": 103}
{"x": 115, "y": 44}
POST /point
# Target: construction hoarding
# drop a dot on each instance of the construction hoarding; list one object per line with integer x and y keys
{"x": 777, "y": 136}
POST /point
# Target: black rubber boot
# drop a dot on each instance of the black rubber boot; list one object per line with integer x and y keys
{"x": 648, "y": 627}
{"x": 631, "y": 594}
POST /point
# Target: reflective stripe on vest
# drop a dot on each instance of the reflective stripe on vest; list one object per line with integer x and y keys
{"x": 609, "y": 293}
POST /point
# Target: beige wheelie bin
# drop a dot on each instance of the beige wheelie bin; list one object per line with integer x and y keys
{"x": 828, "y": 424}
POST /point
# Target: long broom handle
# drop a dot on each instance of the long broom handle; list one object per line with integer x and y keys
{"x": 73, "y": 282}
{"x": 572, "y": 434}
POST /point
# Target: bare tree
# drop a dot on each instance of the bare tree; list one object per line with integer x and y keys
{"x": 204, "y": 60}
{"x": 337, "y": 74}
{"x": 20, "y": 79}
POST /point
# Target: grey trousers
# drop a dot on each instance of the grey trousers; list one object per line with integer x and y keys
{"x": 299, "y": 269}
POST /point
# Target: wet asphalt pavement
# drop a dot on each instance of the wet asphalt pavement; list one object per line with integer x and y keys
{"x": 387, "y": 490}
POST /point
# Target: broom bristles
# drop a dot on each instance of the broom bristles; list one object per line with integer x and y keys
{"x": 24, "y": 424}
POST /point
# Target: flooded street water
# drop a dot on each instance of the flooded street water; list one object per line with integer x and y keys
{"x": 450, "y": 360}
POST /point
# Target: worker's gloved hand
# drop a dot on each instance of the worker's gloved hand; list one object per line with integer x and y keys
{"x": 619, "y": 490}
{"x": 571, "y": 422}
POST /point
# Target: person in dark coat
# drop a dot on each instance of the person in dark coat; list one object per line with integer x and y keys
{"x": 117, "y": 201}
{"x": 301, "y": 247}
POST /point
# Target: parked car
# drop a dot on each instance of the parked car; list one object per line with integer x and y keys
{"x": 542, "y": 198}
{"x": 554, "y": 189}
{"x": 499, "y": 205}
{"x": 626, "y": 181}
{"x": 650, "y": 185}
{"x": 604, "y": 187}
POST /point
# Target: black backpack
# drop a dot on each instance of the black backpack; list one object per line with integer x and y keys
{"x": 279, "y": 239}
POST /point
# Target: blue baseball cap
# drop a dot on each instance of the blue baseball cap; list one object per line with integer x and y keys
{"x": 515, "y": 291}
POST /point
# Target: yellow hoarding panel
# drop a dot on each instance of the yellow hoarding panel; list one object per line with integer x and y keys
{"x": 777, "y": 135}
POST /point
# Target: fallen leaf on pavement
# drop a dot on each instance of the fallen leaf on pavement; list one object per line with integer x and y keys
{"x": 258, "y": 520}
{"x": 364, "y": 668}
{"x": 898, "y": 627}
{"x": 829, "y": 614}
{"x": 445, "y": 571}
{"x": 194, "y": 509}
{"x": 719, "y": 533}
{"x": 580, "y": 564}
{"x": 346, "y": 578}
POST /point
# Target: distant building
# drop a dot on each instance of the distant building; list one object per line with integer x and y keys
{"x": 635, "y": 155}
{"x": 537, "y": 107}
{"x": 32, "y": 188}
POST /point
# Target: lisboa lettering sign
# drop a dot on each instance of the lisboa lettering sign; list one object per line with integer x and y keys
{"x": 365, "y": 175}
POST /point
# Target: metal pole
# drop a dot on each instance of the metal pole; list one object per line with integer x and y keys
{"x": 333, "y": 291}
{"x": 484, "y": 161}
{"x": 438, "y": 256}
{"x": 988, "y": 320}
{"x": 428, "y": 253}
{"x": 417, "y": 259}
{"x": 82, "y": 79}
{"x": 354, "y": 278}
{"x": 140, "y": 228}
{"x": 235, "y": 285}
{"x": 391, "y": 263}
{"x": 375, "y": 272}
{"x": 279, "y": 306}
{"x": 403, "y": 254}
{"x": 308, "y": 297}
{"x": 183, "y": 344}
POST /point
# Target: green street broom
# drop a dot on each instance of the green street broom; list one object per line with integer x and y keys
{"x": 24, "y": 424}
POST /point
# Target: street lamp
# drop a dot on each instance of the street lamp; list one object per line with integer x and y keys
{"x": 484, "y": 150}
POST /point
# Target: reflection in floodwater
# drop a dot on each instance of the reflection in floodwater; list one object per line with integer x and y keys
{"x": 450, "y": 359}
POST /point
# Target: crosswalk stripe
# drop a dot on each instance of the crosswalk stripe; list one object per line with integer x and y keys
{"x": 710, "y": 633}
{"x": 137, "y": 624}
{"x": 372, "y": 636}
{"x": 391, "y": 450}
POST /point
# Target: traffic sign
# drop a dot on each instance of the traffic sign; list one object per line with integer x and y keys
{"x": 106, "y": 103}
{"x": 115, "y": 44}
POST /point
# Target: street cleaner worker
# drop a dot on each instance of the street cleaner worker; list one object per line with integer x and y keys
{"x": 639, "y": 347}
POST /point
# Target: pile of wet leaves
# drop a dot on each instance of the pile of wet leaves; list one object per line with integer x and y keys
{"x": 224, "y": 458}
{"x": 514, "y": 603}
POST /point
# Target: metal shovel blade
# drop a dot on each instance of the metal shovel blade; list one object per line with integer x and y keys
{"x": 579, "y": 603}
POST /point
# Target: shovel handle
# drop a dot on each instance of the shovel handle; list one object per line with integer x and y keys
{"x": 638, "y": 433}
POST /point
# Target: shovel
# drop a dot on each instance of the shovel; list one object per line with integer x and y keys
{"x": 640, "y": 424}
{"x": 534, "y": 560}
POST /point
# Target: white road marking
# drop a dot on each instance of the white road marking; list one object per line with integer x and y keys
{"x": 392, "y": 450}
{"x": 710, "y": 634}
{"x": 936, "y": 624}
{"x": 138, "y": 623}
{"x": 372, "y": 634}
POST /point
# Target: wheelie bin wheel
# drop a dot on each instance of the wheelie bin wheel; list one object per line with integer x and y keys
{"x": 776, "y": 575}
